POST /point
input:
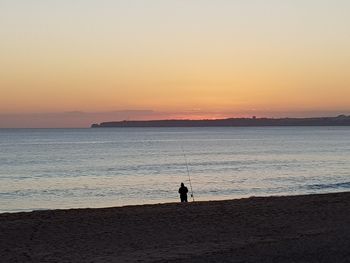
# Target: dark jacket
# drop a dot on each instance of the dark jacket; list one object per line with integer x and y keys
{"x": 183, "y": 190}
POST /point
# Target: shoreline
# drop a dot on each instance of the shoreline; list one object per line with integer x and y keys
{"x": 162, "y": 204}
{"x": 165, "y": 203}
{"x": 304, "y": 228}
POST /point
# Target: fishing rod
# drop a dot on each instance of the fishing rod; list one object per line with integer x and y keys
{"x": 188, "y": 173}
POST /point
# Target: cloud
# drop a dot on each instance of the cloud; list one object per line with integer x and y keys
{"x": 71, "y": 119}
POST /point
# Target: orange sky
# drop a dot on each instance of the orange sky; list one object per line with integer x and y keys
{"x": 174, "y": 57}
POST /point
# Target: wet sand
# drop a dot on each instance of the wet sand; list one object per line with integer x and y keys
{"x": 314, "y": 228}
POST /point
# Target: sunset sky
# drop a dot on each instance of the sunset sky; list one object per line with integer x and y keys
{"x": 69, "y": 63}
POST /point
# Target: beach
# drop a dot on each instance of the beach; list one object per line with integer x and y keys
{"x": 308, "y": 228}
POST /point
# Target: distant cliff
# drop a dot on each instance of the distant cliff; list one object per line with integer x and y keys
{"x": 341, "y": 120}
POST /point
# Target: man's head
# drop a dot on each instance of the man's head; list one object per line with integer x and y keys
{"x": 182, "y": 185}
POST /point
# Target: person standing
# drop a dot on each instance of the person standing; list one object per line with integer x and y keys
{"x": 183, "y": 193}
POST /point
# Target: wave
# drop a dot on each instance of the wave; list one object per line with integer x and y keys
{"x": 344, "y": 185}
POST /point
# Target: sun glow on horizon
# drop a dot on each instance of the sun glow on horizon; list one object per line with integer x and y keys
{"x": 239, "y": 58}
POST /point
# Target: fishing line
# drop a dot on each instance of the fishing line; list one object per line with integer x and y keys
{"x": 188, "y": 173}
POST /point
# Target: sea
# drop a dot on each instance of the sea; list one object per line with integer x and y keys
{"x": 103, "y": 167}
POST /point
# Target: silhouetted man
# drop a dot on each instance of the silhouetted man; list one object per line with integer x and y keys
{"x": 183, "y": 193}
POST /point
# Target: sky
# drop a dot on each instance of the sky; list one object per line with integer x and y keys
{"x": 71, "y": 63}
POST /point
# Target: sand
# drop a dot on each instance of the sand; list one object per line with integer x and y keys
{"x": 314, "y": 228}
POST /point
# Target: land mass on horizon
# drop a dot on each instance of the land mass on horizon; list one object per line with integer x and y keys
{"x": 341, "y": 120}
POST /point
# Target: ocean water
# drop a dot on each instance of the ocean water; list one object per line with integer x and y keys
{"x": 71, "y": 168}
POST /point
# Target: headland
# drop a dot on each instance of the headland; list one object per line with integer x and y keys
{"x": 341, "y": 120}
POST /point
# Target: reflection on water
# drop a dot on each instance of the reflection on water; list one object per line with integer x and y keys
{"x": 64, "y": 168}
